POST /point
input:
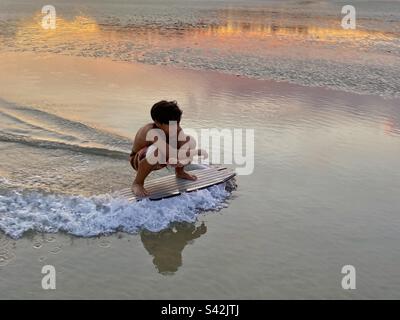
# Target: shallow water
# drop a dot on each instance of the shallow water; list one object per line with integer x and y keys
{"x": 326, "y": 180}
{"x": 324, "y": 192}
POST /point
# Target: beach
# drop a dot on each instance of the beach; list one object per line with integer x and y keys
{"x": 324, "y": 108}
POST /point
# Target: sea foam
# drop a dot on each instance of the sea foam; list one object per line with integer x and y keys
{"x": 21, "y": 211}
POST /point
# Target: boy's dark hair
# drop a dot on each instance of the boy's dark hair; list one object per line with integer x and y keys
{"x": 166, "y": 111}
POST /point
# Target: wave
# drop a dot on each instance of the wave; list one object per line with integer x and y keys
{"x": 52, "y": 122}
{"x": 37, "y": 128}
{"x": 21, "y": 211}
{"x": 38, "y": 143}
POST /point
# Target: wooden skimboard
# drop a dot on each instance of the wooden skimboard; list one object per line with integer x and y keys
{"x": 170, "y": 186}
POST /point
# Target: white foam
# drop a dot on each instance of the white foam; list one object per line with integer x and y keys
{"x": 21, "y": 211}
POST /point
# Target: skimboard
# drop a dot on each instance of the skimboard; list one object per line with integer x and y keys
{"x": 171, "y": 186}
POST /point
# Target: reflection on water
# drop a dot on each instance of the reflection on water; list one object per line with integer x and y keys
{"x": 166, "y": 246}
{"x": 325, "y": 190}
{"x": 81, "y": 27}
{"x": 392, "y": 126}
{"x": 84, "y": 27}
{"x": 267, "y": 29}
{"x": 302, "y": 52}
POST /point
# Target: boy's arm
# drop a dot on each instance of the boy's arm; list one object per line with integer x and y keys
{"x": 141, "y": 138}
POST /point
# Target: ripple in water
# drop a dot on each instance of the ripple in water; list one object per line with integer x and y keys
{"x": 104, "y": 243}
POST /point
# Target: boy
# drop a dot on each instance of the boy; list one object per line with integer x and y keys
{"x": 155, "y": 141}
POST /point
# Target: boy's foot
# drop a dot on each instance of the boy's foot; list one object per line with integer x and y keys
{"x": 184, "y": 175}
{"x": 174, "y": 163}
{"x": 139, "y": 190}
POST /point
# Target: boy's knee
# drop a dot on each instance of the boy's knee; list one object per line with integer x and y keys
{"x": 146, "y": 165}
{"x": 155, "y": 158}
{"x": 152, "y": 155}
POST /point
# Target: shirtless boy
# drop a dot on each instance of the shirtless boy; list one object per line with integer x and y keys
{"x": 162, "y": 143}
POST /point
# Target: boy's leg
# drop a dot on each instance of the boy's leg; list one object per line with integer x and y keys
{"x": 144, "y": 168}
{"x": 180, "y": 170}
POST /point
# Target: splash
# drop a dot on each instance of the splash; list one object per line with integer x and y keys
{"x": 21, "y": 211}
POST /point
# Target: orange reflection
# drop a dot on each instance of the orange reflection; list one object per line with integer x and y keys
{"x": 79, "y": 27}
{"x": 234, "y": 34}
{"x": 259, "y": 30}
{"x": 390, "y": 127}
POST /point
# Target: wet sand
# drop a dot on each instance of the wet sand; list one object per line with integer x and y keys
{"x": 324, "y": 192}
